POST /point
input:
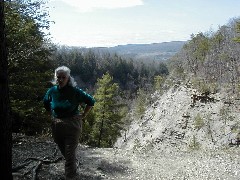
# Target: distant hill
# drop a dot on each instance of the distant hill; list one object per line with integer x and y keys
{"x": 155, "y": 51}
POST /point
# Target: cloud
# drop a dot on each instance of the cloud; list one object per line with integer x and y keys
{"x": 90, "y": 5}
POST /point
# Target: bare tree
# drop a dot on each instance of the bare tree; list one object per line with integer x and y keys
{"x": 5, "y": 122}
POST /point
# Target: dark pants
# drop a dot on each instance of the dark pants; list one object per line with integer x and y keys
{"x": 66, "y": 133}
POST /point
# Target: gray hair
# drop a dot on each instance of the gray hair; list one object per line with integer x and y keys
{"x": 67, "y": 71}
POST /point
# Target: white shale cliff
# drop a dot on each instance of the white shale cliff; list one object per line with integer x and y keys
{"x": 172, "y": 120}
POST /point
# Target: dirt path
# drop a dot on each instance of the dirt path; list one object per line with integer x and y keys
{"x": 97, "y": 164}
{"x": 42, "y": 154}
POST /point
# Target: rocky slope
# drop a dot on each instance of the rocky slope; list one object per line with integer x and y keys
{"x": 173, "y": 120}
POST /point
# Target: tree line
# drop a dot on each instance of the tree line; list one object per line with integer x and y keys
{"x": 88, "y": 65}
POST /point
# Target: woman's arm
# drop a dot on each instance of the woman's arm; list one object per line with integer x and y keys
{"x": 86, "y": 111}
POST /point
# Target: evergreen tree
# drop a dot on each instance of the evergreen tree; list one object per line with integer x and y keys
{"x": 28, "y": 62}
{"x": 107, "y": 124}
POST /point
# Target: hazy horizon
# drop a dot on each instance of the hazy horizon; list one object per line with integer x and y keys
{"x": 108, "y": 23}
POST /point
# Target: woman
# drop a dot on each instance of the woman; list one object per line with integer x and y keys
{"x": 63, "y": 100}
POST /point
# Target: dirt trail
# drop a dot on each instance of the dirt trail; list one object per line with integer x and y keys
{"x": 109, "y": 163}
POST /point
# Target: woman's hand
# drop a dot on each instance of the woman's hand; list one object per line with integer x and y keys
{"x": 78, "y": 117}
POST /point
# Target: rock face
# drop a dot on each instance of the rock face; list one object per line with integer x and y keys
{"x": 175, "y": 119}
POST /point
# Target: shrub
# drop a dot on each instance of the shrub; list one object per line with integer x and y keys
{"x": 198, "y": 122}
{"x": 194, "y": 145}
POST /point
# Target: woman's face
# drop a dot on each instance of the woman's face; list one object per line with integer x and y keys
{"x": 62, "y": 79}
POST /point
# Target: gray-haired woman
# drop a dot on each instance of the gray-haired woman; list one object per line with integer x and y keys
{"x": 63, "y": 100}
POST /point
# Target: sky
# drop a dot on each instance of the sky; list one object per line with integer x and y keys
{"x": 107, "y": 23}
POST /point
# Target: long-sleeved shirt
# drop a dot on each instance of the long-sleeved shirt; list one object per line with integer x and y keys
{"x": 65, "y": 102}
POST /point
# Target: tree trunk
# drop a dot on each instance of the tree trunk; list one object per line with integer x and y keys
{"x": 100, "y": 134}
{"x": 5, "y": 122}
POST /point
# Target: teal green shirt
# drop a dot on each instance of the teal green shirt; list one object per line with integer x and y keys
{"x": 65, "y": 102}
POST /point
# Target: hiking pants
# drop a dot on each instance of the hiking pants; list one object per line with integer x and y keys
{"x": 66, "y": 133}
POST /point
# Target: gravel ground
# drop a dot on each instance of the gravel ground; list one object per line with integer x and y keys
{"x": 109, "y": 163}
{"x": 174, "y": 165}
{"x": 188, "y": 165}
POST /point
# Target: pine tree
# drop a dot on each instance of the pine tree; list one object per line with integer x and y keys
{"x": 107, "y": 124}
{"x": 29, "y": 65}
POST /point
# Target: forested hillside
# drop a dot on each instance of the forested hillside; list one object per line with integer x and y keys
{"x": 88, "y": 65}
{"x": 209, "y": 60}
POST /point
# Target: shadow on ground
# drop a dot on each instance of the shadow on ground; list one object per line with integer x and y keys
{"x": 40, "y": 158}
